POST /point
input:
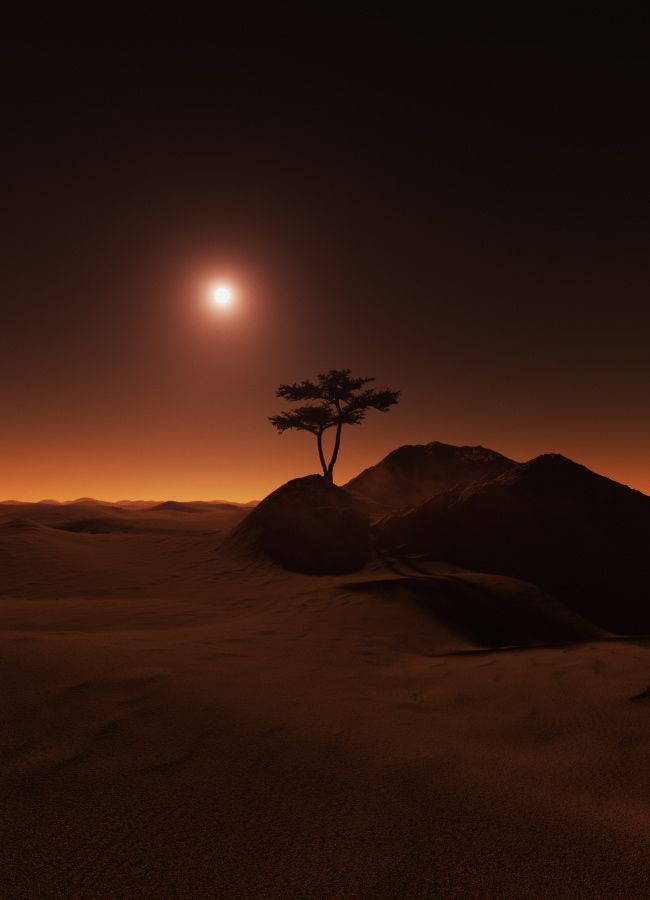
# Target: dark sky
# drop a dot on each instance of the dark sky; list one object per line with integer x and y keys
{"x": 463, "y": 214}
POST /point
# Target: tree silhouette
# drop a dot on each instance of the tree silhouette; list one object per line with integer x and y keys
{"x": 339, "y": 399}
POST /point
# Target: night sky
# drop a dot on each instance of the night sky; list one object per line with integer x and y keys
{"x": 464, "y": 216}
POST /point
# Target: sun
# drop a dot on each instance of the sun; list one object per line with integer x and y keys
{"x": 221, "y": 295}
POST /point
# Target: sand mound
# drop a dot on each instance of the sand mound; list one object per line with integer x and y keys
{"x": 412, "y": 474}
{"x": 192, "y": 507}
{"x": 19, "y": 525}
{"x": 100, "y": 525}
{"x": 479, "y": 611}
{"x": 549, "y": 521}
{"x": 174, "y": 506}
{"x": 307, "y": 525}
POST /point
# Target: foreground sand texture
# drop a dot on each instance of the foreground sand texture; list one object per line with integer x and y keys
{"x": 176, "y": 722}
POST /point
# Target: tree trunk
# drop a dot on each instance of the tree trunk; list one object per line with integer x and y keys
{"x": 335, "y": 453}
{"x": 319, "y": 441}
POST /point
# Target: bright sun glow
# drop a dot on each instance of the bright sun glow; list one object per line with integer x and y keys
{"x": 221, "y": 295}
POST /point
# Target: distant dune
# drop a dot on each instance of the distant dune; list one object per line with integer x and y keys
{"x": 194, "y": 506}
{"x": 100, "y": 525}
{"x": 19, "y": 524}
{"x": 103, "y": 518}
{"x": 130, "y": 504}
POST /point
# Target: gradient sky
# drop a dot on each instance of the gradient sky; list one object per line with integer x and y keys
{"x": 465, "y": 218}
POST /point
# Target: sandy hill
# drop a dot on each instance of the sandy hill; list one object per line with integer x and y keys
{"x": 307, "y": 525}
{"x": 412, "y": 474}
{"x": 193, "y": 506}
{"x": 103, "y": 518}
{"x": 549, "y": 521}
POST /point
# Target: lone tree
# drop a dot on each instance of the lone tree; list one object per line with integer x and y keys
{"x": 338, "y": 399}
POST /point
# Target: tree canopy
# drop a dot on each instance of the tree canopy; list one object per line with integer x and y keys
{"x": 337, "y": 398}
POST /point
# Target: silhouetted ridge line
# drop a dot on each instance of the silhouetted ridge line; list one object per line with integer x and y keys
{"x": 410, "y": 475}
{"x": 192, "y": 506}
{"x": 550, "y": 521}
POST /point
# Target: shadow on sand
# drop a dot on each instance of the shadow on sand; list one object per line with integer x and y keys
{"x": 487, "y": 611}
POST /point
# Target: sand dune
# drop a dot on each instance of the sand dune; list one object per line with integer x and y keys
{"x": 414, "y": 473}
{"x": 307, "y": 525}
{"x": 179, "y": 723}
{"x": 194, "y": 506}
{"x": 551, "y": 521}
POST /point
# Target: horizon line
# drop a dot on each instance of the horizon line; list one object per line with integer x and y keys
{"x": 88, "y": 499}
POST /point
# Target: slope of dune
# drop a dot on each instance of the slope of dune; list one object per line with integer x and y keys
{"x": 177, "y": 723}
{"x": 45, "y": 554}
{"x": 307, "y": 525}
{"x": 100, "y": 525}
{"x": 107, "y": 518}
{"x": 412, "y": 474}
{"x": 549, "y": 521}
{"x": 46, "y": 513}
{"x": 192, "y": 506}
{"x": 461, "y": 611}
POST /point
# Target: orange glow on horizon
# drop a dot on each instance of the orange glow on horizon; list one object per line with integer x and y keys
{"x": 181, "y": 411}
{"x": 247, "y": 466}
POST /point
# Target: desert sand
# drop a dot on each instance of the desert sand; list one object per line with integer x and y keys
{"x": 179, "y": 721}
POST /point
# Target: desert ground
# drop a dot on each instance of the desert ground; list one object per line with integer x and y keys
{"x": 179, "y": 721}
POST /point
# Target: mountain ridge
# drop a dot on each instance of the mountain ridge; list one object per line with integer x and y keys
{"x": 550, "y": 521}
{"x": 412, "y": 473}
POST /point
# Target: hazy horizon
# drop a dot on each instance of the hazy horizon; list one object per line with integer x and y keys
{"x": 301, "y": 460}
